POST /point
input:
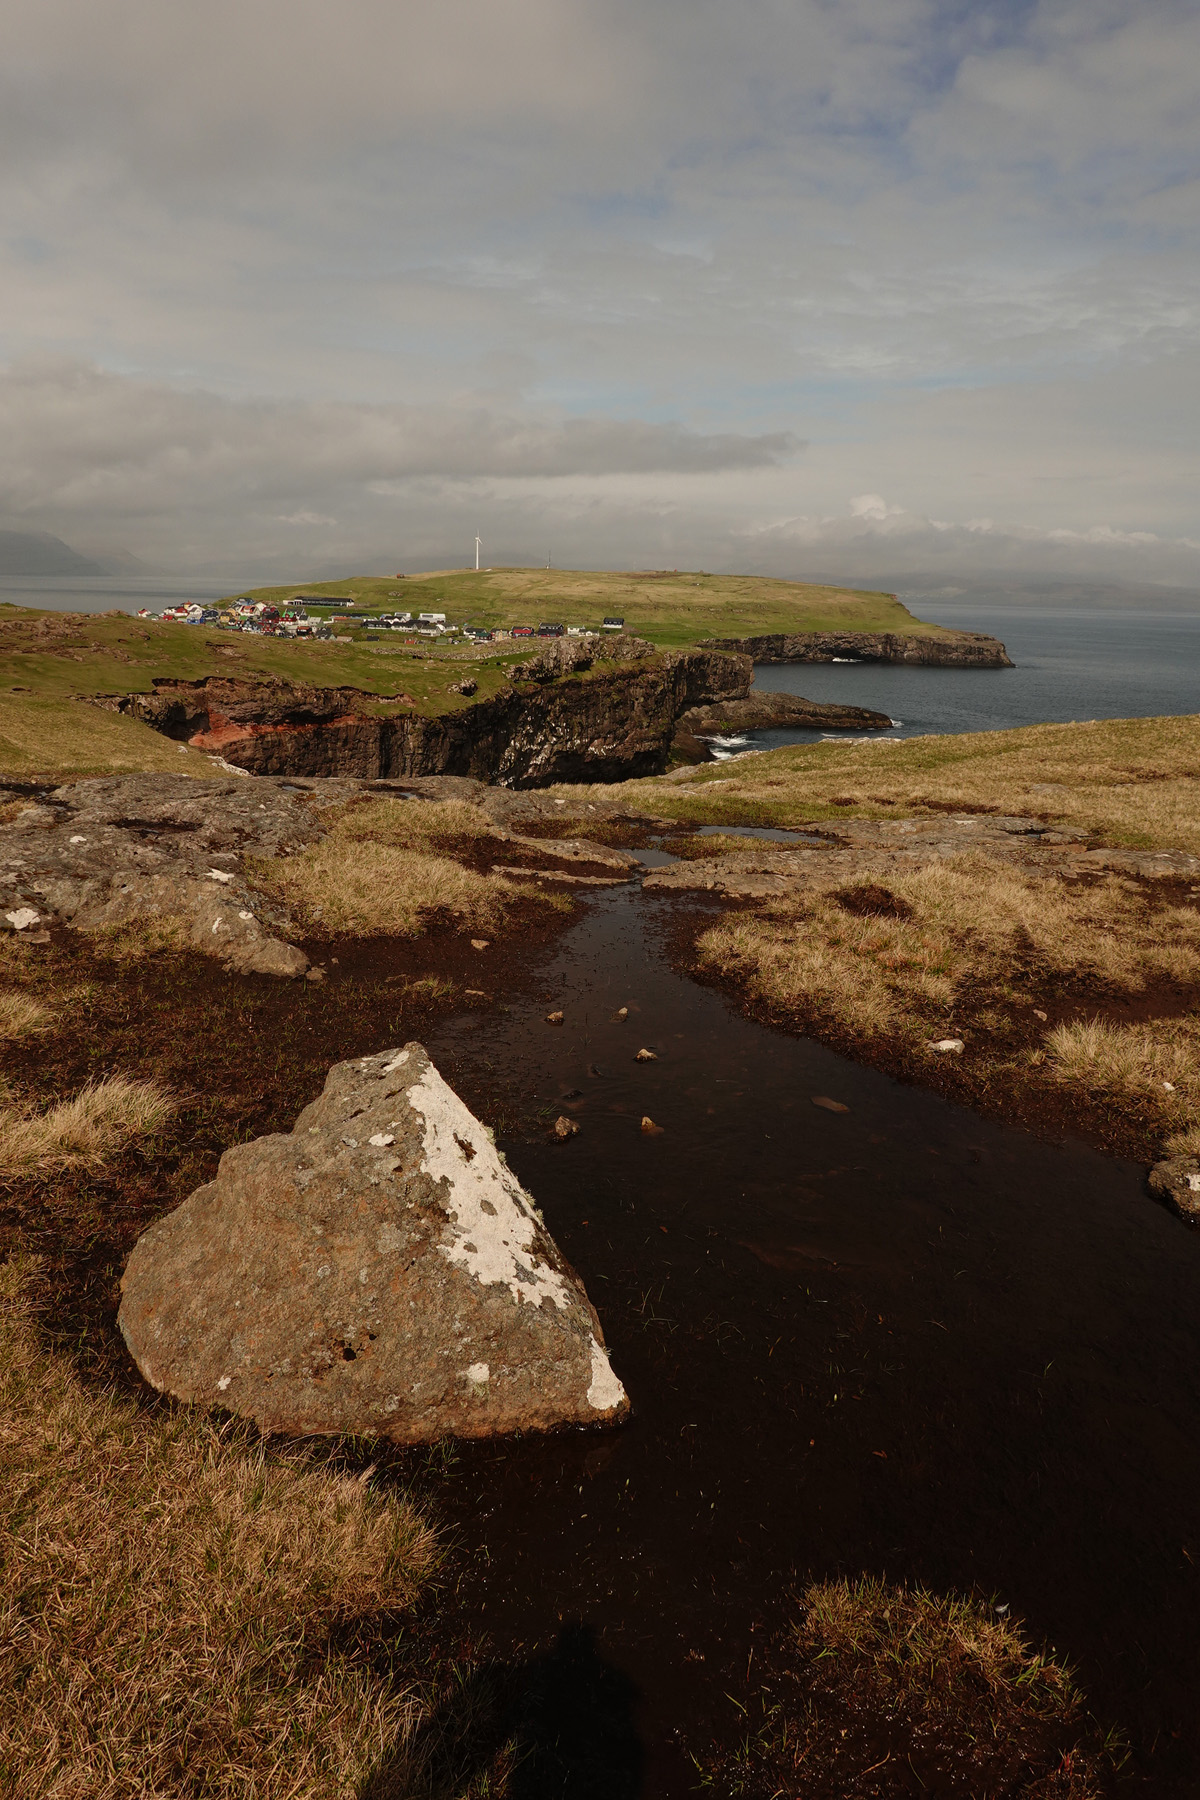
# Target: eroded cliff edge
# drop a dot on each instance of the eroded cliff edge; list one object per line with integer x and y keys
{"x": 606, "y": 723}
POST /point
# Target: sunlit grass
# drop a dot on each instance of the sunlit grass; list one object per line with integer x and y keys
{"x": 80, "y": 1131}
{"x": 169, "y": 1595}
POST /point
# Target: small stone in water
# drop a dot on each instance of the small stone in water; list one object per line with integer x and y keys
{"x": 554, "y": 1018}
{"x": 828, "y": 1104}
{"x": 645, "y": 1056}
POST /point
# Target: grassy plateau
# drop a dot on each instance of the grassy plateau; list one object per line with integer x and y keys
{"x": 50, "y": 661}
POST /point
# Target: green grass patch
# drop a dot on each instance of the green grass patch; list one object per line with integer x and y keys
{"x": 42, "y": 735}
{"x": 673, "y": 609}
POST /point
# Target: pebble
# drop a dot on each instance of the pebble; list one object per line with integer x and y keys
{"x": 828, "y": 1104}
{"x": 645, "y": 1056}
{"x": 554, "y": 1018}
{"x": 944, "y": 1046}
{"x": 480, "y": 943}
{"x": 649, "y": 1126}
{"x": 565, "y": 1128}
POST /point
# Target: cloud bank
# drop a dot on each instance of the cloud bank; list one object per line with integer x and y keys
{"x": 292, "y": 284}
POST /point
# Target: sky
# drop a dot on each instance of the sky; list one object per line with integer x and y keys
{"x": 855, "y": 288}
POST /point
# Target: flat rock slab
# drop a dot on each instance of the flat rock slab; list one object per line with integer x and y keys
{"x": 118, "y": 850}
{"x": 378, "y": 1270}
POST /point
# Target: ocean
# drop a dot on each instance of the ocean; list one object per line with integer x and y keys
{"x": 1072, "y": 662}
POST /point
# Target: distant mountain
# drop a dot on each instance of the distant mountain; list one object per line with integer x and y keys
{"x": 38, "y": 553}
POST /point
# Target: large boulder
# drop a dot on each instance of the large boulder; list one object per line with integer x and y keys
{"x": 377, "y": 1270}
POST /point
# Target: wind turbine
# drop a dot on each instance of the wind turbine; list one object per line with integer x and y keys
{"x": 477, "y": 543}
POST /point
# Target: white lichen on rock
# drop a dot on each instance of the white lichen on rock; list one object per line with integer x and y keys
{"x": 604, "y": 1391}
{"x": 495, "y": 1225}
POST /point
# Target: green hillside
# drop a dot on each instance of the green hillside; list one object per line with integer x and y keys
{"x": 672, "y": 607}
{"x": 51, "y": 661}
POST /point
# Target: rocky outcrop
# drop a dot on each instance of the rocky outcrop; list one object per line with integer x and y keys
{"x": 571, "y": 655}
{"x": 609, "y": 724}
{"x": 759, "y": 711}
{"x": 941, "y": 650}
{"x": 378, "y": 1271}
{"x": 1177, "y": 1183}
{"x": 159, "y": 849}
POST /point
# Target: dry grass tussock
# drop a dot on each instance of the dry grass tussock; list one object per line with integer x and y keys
{"x": 168, "y": 1595}
{"x": 376, "y": 872}
{"x": 1155, "y": 1063}
{"x": 21, "y": 1013}
{"x": 905, "y": 962}
{"x": 81, "y": 1131}
{"x": 1136, "y": 781}
{"x": 930, "y": 1683}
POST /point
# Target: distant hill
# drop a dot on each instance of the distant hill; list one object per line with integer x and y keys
{"x": 38, "y": 553}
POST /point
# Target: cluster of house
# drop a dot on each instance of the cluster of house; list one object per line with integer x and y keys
{"x": 292, "y": 620}
{"x": 244, "y": 615}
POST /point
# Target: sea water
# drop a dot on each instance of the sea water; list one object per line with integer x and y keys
{"x": 1072, "y": 662}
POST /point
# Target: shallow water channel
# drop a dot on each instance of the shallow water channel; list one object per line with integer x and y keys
{"x": 898, "y": 1339}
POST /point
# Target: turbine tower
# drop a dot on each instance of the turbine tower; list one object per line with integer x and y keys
{"x": 477, "y": 542}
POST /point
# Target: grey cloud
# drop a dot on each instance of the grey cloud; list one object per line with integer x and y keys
{"x": 482, "y": 249}
{"x": 77, "y": 441}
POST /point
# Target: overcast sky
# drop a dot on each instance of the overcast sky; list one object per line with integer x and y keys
{"x": 852, "y": 286}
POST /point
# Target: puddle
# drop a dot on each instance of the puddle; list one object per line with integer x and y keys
{"x": 899, "y": 1340}
{"x": 776, "y": 834}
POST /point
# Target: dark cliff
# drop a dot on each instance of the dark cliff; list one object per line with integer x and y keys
{"x": 953, "y": 650}
{"x": 609, "y": 724}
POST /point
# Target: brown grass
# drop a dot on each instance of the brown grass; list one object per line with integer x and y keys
{"x": 965, "y": 948}
{"x": 168, "y": 1596}
{"x": 932, "y": 1685}
{"x": 374, "y": 873}
{"x": 20, "y": 1014}
{"x": 80, "y": 1131}
{"x": 967, "y": 923}
{"x": 1155, "y": 1061}
{"x": 1136, "y": 781}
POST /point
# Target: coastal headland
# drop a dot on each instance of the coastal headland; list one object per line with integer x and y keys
{"x": 460, "y": 693}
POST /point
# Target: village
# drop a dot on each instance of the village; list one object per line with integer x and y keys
{"x": 293, "y": 619}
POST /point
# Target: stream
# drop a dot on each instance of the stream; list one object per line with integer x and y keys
{"x": 898, "y": 1339}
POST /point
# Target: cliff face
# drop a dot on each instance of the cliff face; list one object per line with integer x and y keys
{"x": 609, "y": 725}
{"x": 957, "y": 650}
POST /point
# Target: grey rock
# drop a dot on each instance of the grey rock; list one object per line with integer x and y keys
{"x": 379, "y": 1270}
{"x": 130, "y": 849}
{"x": 1177, "y": 1182}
